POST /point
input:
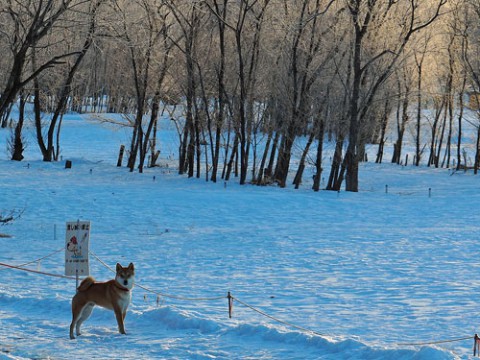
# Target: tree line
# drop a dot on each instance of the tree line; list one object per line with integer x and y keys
{"x": 342, "y": 71}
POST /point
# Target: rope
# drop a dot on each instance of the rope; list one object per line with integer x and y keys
{"x": 181, "y": 297}
{"x": 35, "y": 271}
{"x": 320, "y": 334}
{"x": 229, "y": 297}
{"x": 278, "y": 320}
{"x": 230, "y": 303}
{"x": 37, "y": 260}
{"x": 436, "y": 342}
{"x": 157, "y": 292}
{"x": 100, "y": 261}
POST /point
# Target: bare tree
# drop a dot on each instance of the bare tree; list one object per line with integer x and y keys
{"x": 247, "y": 52}
{"x": 141, "y": 29}
{"x": 25, "y": 24}
{"x": 50, "y": 148}
{"x": 471, "y": 51}
{"x": 404, "y": 89}
{"x": 368, "y": 19}
{"x": 188, "y": 20}
{"x": 306, "y": 57}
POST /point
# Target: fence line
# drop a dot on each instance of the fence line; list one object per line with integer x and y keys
{"x": 37, "y": 260}
{"x": 158, "y": 293}
{"x": 231, "y": 298}
{"x": 36, "y": 271}
{"x": 437, "y": 342}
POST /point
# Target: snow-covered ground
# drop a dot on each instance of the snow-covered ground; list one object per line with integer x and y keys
{"x": 367, "y": 273}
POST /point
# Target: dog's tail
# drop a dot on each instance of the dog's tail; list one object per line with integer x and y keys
{"x": 86, "y": 283}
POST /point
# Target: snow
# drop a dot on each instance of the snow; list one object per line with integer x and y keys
{"x": 367, "y": 273}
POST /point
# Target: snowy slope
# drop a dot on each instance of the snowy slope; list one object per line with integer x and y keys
{"x": 369, "y": 271}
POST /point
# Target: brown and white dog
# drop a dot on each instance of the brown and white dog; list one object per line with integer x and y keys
{"x": 113, "y": 295}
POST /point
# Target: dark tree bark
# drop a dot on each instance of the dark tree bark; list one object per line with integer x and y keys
{"x": 318, "y": 163}
{"x": 301, "y": 166}
{"x": 402, "y": 122}
{"x": 383, "y": 130}
{"x": 18, "y": 145}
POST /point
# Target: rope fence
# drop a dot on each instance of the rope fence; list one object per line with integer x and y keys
{"x": 35, "y": 271}
{"x": 277, "y": 319}
{"x": 37, "y": 260}
{"x": 230, "y": 298}
{"x": 437, "y": 342}
{"x": 158, "y": 293}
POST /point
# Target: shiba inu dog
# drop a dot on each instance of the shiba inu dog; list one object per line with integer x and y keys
{"x": 113, "y": 295}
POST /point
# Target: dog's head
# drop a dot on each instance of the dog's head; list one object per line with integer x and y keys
{"x": 125, "y": 275}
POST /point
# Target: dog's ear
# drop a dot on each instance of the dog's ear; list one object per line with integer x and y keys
{"x": 119, "y": 267}
{"x": 131, "y": 267}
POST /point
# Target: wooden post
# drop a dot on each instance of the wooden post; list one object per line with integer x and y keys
{"x": 76, "y": 270}
{"x": 476, "y": 347}
{"x": 230, "y": 305}
{"x": 120, "y": 155}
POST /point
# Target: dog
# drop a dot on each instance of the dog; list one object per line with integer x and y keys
{"x": 113, "y": 295}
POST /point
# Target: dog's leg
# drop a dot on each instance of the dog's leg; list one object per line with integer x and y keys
{"x": 85, "y": 314}
{"x": 76, "y": 312}
{"x": 119, "y": 315}
{"x": 72, "y": 326}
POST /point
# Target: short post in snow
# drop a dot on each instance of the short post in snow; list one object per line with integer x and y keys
{"x": 476, "y": 345}
{"x": 230, "y": 304}
{"x": 120, "y": 155}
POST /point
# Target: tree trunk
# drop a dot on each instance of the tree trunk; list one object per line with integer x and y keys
{"x": 383, "y": 130}
{"x": 283, "y": 160}
{"x": 18, "y": 146}
{"x": 477, "y": 152}
{"x": 301, "y": 167}
{"x": 261, "y": 171}
{"x": 147, "y": 143}
{"x": 232, "y": 158}
{"x": 336, "y": 178}
{"x": 318, "y": 163}
{"x": 401, "y": 125}
{"x": 271, "y": 161}
{"x": 5, "y": 116}
{"x": 418, "y": 152}
{"x": 460, "y": 117}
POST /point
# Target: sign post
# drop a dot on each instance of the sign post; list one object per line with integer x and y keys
{"x": 77, "y": 238}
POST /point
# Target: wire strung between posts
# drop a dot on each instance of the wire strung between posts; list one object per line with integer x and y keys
{"x": 230, "y": 298}
{"x": 37, "y": 260}
{"x": 157, "y": 292}
{"x": 476, "y": 343}
{"x": 35, "y": 271}
{"x": 181, "y": 297}
{"x": 230, "y": 303}
{"x": 476, "y": 338}
{"x": 278, "y": 320}
{"x": 436, "y": 342}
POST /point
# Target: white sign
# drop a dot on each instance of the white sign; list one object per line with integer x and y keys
{"x": 76, "y": 248}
